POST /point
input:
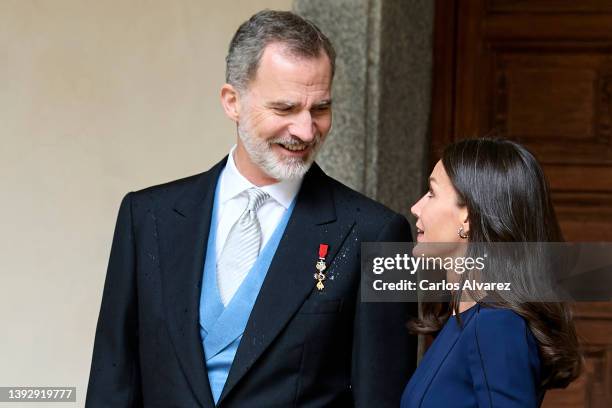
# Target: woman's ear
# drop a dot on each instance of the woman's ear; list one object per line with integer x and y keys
{"x": 465, "y": 219}
{"x": 230, "y": 100}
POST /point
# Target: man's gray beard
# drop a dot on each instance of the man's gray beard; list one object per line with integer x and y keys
{"x": 288, "y": 168}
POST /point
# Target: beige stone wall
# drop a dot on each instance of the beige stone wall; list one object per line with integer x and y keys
{"x": 97, "y": 98}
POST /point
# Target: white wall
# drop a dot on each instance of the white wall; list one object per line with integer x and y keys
{"x": 97, "y": 98}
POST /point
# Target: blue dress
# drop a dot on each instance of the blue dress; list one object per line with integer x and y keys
{"x": 490, "y": 361}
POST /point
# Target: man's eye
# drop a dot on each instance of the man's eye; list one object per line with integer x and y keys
{"x": 430, "y": 193}
{"x": 283, "y": 109}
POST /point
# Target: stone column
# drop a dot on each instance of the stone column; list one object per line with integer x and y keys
{"x": 382, "y": 91}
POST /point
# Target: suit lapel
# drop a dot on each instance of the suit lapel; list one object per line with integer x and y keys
{"x": 183, "y": 234}
{"x": 289, "y": 279}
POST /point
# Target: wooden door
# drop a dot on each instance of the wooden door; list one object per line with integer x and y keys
{"x": 540, "y": 72}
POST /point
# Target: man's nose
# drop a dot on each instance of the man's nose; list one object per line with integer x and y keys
{"x": 304, "y": 127}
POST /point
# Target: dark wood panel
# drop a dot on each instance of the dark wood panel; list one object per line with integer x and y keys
{"x": 592, "y": 153}
{"x": 594, "y": 310}
{"x": 444, "y": 56}
{"x": 595, "y": 332}
{"x": 576, "y": 230}
{"x": 573, "y": 396}
{"x": 590, "y": 390}
{"x": 559, "y": 106}
{"x": 554, "y": 98}
{"x": 579, "y": 178}
{"x": 594, "y": 27}
{"x": 540, "y": 72}
{"x": 545, "y": 7}
{"x": 602, "y": 201}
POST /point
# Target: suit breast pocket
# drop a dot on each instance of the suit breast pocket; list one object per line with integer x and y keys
{"x": 316, "y": 306}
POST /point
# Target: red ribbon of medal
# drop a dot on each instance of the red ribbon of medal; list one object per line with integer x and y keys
{"x": 320, "y": 275}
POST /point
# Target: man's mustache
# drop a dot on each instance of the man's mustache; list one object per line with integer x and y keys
{"x": 293, "y": 141}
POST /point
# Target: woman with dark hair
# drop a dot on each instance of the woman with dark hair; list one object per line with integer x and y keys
{"x": 491, "y": 349}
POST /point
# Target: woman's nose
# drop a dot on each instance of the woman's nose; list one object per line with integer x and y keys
{"x": 416, "y": 208}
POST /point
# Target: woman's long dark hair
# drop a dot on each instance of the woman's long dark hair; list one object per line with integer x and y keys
{"x": 507, "y": 198}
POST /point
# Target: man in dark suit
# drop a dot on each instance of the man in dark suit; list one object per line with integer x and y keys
{"x": 239, "y": 287}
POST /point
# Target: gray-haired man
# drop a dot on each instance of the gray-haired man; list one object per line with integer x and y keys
{"x": 239, "y": 287}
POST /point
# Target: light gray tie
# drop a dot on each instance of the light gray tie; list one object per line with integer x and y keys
{"x": 241, "y": 247}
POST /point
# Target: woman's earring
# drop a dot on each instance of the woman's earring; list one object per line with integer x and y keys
{"x": 462, "y": 234}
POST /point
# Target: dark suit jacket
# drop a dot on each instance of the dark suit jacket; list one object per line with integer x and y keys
{"x": 301, "y": 347}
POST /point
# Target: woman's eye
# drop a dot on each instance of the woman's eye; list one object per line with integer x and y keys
{"x": 430, "y": 193}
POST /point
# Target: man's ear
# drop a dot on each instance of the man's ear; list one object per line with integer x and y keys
{"x": 230, "y": 100}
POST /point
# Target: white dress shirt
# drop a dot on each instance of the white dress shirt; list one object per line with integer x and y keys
{"x": 233, "y": 200}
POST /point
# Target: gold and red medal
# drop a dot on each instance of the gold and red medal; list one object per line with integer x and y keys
{"x": 321, "y": 267}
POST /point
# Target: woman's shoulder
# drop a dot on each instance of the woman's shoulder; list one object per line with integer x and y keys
{"x": 498, "y": 317}
{"x": 503, "y": 357}
{"x": 503, "y": 327}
